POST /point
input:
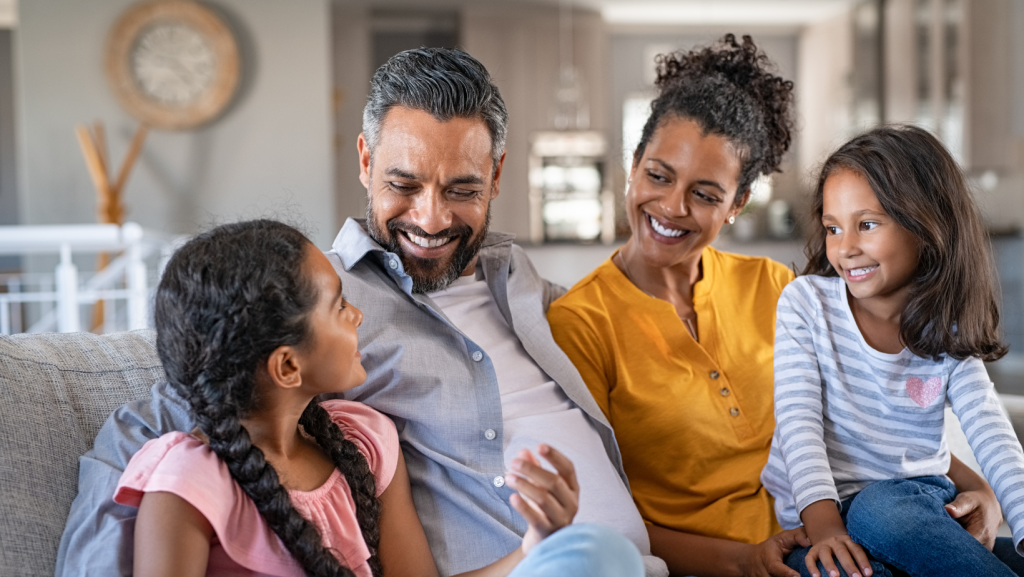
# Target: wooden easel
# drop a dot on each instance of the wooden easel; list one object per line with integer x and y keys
{"x": 110, "y": 209}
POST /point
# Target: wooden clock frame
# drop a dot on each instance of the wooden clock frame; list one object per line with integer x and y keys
{"x": 215, "y": 33}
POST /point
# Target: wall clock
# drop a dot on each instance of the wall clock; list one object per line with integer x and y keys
{"x": 172, "y": 64}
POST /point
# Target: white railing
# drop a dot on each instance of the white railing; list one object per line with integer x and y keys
{"x": 125, "y": 279}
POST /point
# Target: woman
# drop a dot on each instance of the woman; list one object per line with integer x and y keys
{"x": 675, "y": 338}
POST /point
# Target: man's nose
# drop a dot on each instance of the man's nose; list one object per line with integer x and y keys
{"x": 431, "y": 212}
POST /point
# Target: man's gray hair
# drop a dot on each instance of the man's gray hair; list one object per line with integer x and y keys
{"x": 446, "y": 83}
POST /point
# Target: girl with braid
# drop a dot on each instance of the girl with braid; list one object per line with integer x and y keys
{"x": 251, "y": 328}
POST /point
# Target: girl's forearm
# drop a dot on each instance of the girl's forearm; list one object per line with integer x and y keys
{"x": 822, "y": 520}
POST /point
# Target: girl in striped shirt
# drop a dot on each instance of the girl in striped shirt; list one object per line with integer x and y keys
{"x": 892, "y": 323}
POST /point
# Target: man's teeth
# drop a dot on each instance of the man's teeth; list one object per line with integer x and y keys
{"x": 427, "y": 242}
{"x": 664, "y": 231}
{"x": 862, "y": 271}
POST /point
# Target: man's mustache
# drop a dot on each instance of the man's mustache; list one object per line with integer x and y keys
{"x": 452, "y": 231}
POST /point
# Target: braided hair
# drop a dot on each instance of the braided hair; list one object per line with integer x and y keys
{"x": 228, "y": 298}
{"x": 729, "y": 89}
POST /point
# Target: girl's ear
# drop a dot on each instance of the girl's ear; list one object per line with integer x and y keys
{"x": 284, "y": 368}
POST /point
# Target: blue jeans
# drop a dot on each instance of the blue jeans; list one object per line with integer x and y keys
{"x": 902, "y": 525}
{"x": 584, "y": 550}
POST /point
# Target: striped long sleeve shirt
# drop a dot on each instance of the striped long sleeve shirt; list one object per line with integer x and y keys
{"x": 848, "y": 415}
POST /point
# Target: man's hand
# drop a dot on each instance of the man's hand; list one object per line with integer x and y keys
{"x": 979, "y": 512}
{"x": 766, "y": 558}
{"x": 548, "y": 501}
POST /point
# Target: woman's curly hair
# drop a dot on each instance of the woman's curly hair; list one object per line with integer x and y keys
{"x": 729, "y": 89}
{"x": 228, "y": 298}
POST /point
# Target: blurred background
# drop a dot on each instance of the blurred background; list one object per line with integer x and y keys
{"x": 577, "y": 78}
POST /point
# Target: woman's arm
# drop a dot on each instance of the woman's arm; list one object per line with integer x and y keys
{"x": 688, "y": 554}
{"x": 172, "y": 538}
{"x": 553, "y": 500}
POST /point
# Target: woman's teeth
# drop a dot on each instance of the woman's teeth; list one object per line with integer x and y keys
{"x": 861, "y": 271}
{"x": 427, "y": 242}
{"x": 670, "y": 232}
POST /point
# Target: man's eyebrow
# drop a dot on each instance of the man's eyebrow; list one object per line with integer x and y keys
{"x": 400, "y": 173}
{"x": 466, "y": 179}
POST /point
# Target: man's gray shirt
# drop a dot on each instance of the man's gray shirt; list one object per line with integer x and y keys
{"x": 435, "y": 383}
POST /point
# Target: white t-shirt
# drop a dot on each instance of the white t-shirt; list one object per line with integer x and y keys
{"x": 535, "y": 410}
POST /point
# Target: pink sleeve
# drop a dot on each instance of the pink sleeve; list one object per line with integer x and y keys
{"x": 372, "y": 432}
{"x": 181, "y": 464}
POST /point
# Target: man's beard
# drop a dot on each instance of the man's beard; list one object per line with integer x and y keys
{"x": 429, "y": 275}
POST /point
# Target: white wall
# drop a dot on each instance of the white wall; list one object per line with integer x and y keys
{"x": 270, "y": 154}
{"x": 518, "y": 43}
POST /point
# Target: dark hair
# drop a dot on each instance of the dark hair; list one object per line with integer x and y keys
{"x": 228, "y": 298}
{"x": 446, "y": 83}
{"x": 728, "y": 89}
{"x": 952, "y": 307}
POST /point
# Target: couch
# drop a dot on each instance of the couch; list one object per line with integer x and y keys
{"x": 56, "y": 390}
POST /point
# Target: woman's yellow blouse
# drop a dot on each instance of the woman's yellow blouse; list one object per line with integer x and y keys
{"x": 693, "y": 420}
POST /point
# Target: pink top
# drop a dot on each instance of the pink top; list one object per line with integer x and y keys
{"x": 243, "y": 543}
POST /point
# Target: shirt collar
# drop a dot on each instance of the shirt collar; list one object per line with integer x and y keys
{"x": 353, "y": 242}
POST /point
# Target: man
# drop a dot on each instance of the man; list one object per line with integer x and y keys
{"x": 455, "y": 341}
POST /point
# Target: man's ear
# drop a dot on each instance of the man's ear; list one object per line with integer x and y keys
{"x": 495, "y": 188}
{"x": 364, "y": 161}
{"x": 284, "y": 367}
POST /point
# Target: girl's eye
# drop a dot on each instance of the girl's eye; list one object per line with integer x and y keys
{"x": 868, "y": 225}
{"x": 829, "y": 229}
{"x": 344, "y": 303}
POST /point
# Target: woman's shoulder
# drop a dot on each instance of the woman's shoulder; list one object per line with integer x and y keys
{"x": 593, "y": 293}
{"x": 743, "y": 269}
{"x": 373, "y": 433}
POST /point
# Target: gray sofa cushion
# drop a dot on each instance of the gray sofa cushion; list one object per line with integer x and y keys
{"x": 56, "y": 390}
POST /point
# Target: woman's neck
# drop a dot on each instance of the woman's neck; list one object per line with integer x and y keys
{"x": 668, "y": 282}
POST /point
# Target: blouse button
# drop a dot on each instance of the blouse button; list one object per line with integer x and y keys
{"x": 499, "y": 481}
{"x": 724, "y": 391}
{"x": 734, "y": 412}
{"x": 478, "y": 356}
{"x": 393, "y": 264}
{"x": 490, "y": 434}
{"x": 714, "y": 374}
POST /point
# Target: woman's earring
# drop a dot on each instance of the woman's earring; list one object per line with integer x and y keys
{"x": 732, "y": 220}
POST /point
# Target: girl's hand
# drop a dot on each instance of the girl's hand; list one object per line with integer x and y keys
{"x": 767, "y": 558}
{"x": 548, "y": 501}
{"x": 841, "y": 547}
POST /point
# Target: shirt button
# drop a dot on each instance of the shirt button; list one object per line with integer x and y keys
{"x": 393, "y": 264}
{"x": 499, "y": 481}
{"x": 478, "y": 356}
{"x": 724, "y": 391}
{"x": 714, "y": 374}
{"x": 490, "y": 434}
{"x": 734, "y": 412}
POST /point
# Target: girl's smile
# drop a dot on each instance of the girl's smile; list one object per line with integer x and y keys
{"x": 876, "y": 256}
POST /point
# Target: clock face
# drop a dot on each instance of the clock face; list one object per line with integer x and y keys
{"x": 172, "y": 64}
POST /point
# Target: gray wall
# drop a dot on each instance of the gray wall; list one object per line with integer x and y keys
{"x": 270, "y": 154}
